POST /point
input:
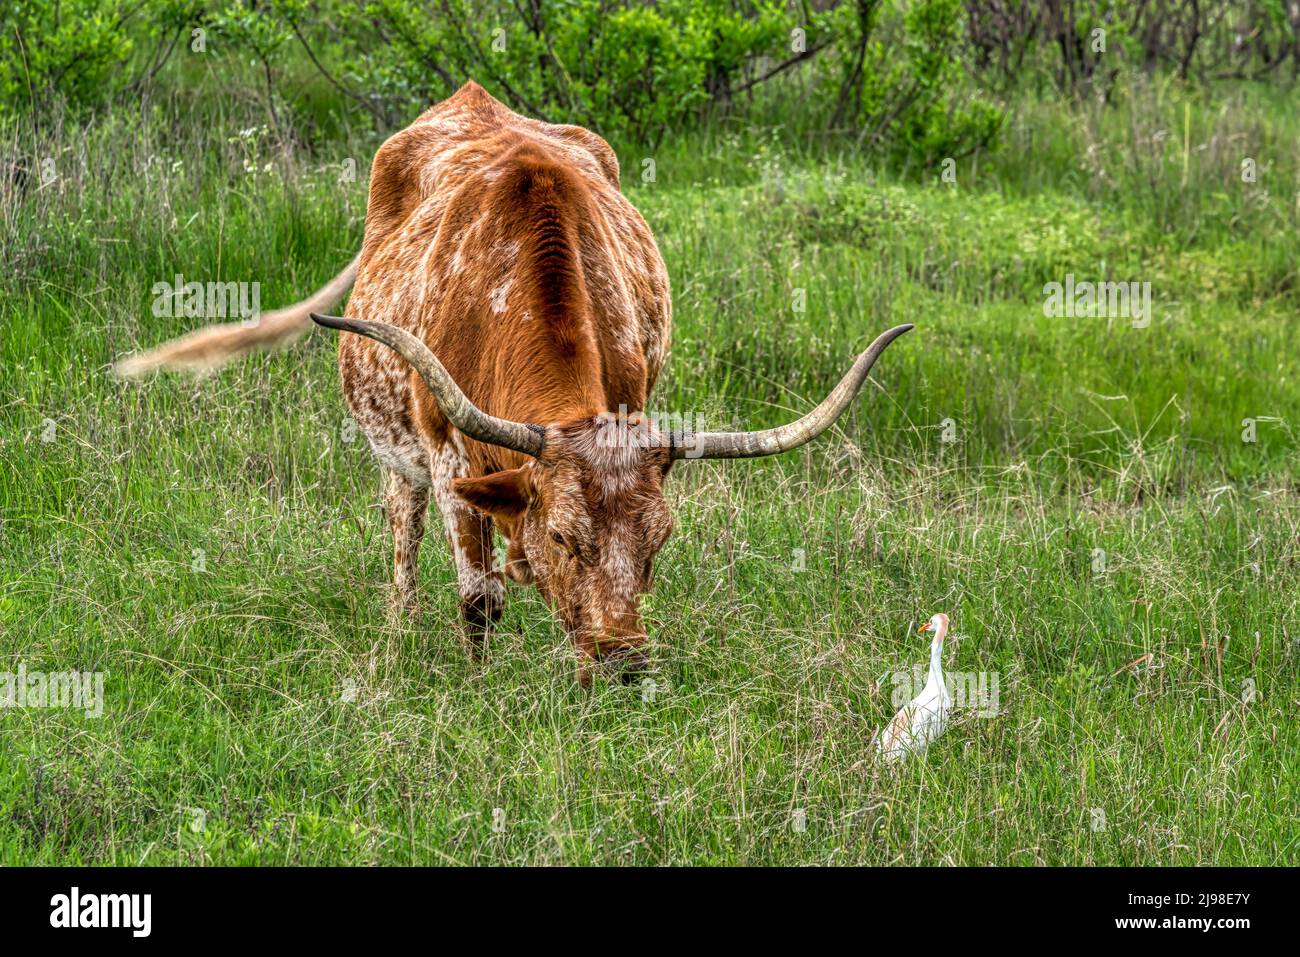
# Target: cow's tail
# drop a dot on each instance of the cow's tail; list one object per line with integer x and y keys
{"x": 213, "y": 346}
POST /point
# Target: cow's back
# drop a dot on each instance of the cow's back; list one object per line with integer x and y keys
{"x": 457, "y": 200}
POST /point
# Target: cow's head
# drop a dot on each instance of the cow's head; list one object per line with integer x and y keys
{"x": 587, "y": 515}
{"x": 585, "y": 520}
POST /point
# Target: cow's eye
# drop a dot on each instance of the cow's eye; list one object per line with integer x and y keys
{"x": 559, "y": 539}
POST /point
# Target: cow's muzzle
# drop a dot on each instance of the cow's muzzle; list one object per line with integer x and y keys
{"x": 628, "y": 664}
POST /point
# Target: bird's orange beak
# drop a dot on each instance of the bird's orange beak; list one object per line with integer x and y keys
{"x": 925, "y": 627}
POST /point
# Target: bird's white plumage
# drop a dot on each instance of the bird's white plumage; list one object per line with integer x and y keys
{"x": 923, "y": 718}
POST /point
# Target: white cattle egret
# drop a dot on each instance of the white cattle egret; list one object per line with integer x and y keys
{"x": 923, "y": 718}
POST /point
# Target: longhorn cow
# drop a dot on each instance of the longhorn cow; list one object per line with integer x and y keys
{"x": 507, "y": 300}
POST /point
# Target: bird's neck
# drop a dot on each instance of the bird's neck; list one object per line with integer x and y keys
{"x": 936, "y": 660}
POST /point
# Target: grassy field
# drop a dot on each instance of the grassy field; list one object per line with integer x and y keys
{"x": 1076, "y": 493}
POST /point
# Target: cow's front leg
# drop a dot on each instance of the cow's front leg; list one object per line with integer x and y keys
{"x": 479, "y": 580}
{"x": 407, "y": 505}
{"x": 469, "y": 535}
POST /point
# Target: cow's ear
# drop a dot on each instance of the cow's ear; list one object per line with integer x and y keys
{"x": 502, "y": 494}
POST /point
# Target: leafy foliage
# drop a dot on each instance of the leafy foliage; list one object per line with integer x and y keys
{"x": 633, "y": 70}
{"x": 71, "y": 48}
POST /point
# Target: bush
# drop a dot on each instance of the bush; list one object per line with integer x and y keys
{"x": 887, "y": 72}
{"x": 70, "y": 49}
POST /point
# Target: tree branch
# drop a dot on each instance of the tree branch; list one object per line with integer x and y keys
{"x": 783, "y": 66}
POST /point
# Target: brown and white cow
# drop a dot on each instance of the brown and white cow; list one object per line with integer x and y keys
{"x": 508, "y": 301}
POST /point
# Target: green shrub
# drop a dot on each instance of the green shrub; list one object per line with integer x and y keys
{"x": 632, "y": 69}
{"x": 71, "y": 49}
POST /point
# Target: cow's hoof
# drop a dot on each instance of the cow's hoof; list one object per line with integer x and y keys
{"x": 480, "y": 613}
{"x": 401, "y": 611}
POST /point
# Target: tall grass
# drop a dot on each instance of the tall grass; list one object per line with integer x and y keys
{"x": 1076, "y": 494}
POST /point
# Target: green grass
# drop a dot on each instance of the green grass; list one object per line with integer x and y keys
{"x": 217, "y": 548}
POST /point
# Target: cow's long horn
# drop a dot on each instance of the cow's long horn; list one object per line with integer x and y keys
{"x": 745, "y": 445}
{"x": 459, "y": 410}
